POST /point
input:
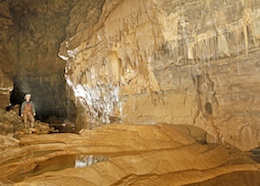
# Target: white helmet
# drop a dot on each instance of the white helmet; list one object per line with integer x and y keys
{"x": 27, "y": 95}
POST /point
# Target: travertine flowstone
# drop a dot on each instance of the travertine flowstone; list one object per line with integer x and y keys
{"x": 138, "y": 155}
{"x": 179, "y": 62}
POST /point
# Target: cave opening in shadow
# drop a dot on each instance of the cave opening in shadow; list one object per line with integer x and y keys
{"x": 51, "y": 103}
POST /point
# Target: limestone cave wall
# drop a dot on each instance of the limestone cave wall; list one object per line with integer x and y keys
{"x": 183, "y": 62}
{"x": 189, "y": 62}
{"x": 31, "y": 32}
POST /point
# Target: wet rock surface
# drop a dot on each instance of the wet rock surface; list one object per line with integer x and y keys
{"x": 184, "y": 62}
{"x": 138, "y": 155}
{"x": 193, "y": 64}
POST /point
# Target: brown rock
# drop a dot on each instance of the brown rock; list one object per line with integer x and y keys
{"x": 184, "y": 63}
{"x": 139, "y": 155}
{"x": 8, "y": 142}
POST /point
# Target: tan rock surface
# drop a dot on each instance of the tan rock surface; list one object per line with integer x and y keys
{"x": 12, "y": 124}
{"x": 190, "y": 63}
{"x": 183, "y": 62}
{"x": 142, "y": 155}
{"x": 6, "y": 86}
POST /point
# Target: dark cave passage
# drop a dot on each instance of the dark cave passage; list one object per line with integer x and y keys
{"x": 50, "y": 102}
{"x": 31, "y": 60}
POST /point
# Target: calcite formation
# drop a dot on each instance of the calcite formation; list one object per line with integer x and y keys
{"x": 6, "y": 86}
{"x": 137, "y": 155}
{"x": 190, "y": 64}
{"x": 178, "y": 62}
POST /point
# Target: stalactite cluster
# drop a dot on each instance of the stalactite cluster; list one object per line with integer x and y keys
{"x": 169, "y": 61}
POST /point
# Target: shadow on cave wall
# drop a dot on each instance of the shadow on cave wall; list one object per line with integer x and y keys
{"x": 50, "y": 101}
{"x": 36, "y": 32}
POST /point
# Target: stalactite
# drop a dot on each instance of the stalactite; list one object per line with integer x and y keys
{"x": 237, "y": 36}
{"x": 163, "y": 51}
{"x": 246, "y": 37}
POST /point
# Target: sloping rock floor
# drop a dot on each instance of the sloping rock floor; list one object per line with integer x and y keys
{"x": 132, "y": 155}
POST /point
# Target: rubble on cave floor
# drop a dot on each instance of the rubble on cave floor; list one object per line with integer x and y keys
{"x": 11, "y": 124}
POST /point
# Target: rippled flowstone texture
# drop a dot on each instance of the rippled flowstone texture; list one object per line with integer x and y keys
{"x": 136, "y": 155}
{"x": 178, "y": 62}
{"x": 191, "y": 63}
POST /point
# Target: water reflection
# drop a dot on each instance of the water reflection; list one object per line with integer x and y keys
{"x": 52, "y": 164}
{"x": 59, "y": 163}
{"x": 84, "y": 161}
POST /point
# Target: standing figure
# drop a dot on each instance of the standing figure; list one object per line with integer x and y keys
{"x": 28, "y": 111}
